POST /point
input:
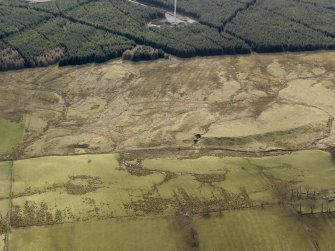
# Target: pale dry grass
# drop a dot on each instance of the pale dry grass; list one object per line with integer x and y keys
{"x": 262, "y": 102}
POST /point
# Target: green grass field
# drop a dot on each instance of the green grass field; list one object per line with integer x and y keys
{"x": 124, "y": 234}
{"x": 273, "y": 228}
{"x": 84, "y": 187}
{"x": 313, "y": 168}
{"x": 268, "y": 229}
{"x": 11, "y": 134}
{"x": 323, "y": 228}
{"x": 4, "y": 207}
{"x": 292, "y": 175}
{"x": 5, "y": 171}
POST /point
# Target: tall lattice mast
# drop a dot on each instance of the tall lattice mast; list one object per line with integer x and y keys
{"x": 175, "y": 11}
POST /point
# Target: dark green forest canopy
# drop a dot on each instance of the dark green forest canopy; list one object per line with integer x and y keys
{"x": 83, "y": 31}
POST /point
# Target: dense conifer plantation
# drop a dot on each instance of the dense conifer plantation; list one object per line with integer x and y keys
{"x": 83, "y": 31}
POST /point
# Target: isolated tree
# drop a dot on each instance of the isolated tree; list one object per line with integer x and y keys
{"x": 205, "y": 211}
{"x": 327, "y": 206}
{"x": 282, "y": 189}
{"x": 300, "y": 208}
{"x": 312, "y": 205}
{"x": 307, "y": 189}
{"x": 58, "y": 216}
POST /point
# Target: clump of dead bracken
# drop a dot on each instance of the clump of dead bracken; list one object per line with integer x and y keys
{"x": 210, "y": 178}
{"x": 3, "y": 224}
{"x": 134, "y": 167}
{"x": 82, "y": 184}
{"x": 32, "y": 214}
